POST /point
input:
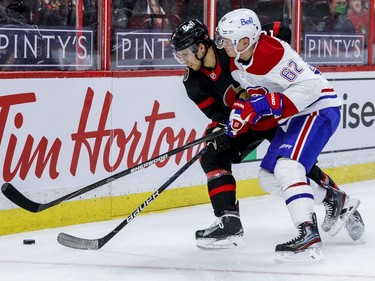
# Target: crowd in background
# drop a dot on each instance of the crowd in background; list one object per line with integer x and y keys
{"x": 340, "y": 16}
{"x": 337, "y": 16}
{"x": 318, "y": 15}
{"x": 46, "y": 12}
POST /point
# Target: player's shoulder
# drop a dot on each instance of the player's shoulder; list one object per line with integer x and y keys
{"x": 191, "y": 76}
{"x": 268, "y": 53}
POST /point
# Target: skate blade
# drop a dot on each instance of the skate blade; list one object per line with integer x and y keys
{"x": 220, "y": 244}
{"x": 350, "y": 208}
{"x": 313, "y": 254}
{"x": 359, "y": 237}
{"x": 361, "y": 240}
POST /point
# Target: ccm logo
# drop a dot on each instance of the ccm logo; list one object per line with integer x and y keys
{"x": 239, "y": 104}
{"x": 273, "y": 99}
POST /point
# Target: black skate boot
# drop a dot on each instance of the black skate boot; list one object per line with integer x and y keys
{"x": 356, "y": 227}
{"x": 225, "y": 233}
{"x": 305, "y": 247}
{"x": 337, "y": 205}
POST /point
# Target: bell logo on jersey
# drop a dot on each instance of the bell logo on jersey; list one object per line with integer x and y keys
{"x": 247, "y": 21}
{"x": 188, "y": 26}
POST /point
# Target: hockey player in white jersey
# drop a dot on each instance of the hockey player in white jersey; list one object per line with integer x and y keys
{"x": 280, "y": 85}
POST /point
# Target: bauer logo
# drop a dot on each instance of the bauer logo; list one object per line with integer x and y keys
{"x": 286, "y": 146}
{"x": 247, "y": 21}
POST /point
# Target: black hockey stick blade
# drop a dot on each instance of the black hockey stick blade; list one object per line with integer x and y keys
{"x": 18, "y": 198}
{"x": 74, "y": 242}
{"x": 22, "y": 201}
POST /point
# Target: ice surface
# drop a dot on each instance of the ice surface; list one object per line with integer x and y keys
{"x": 161, "y": 246}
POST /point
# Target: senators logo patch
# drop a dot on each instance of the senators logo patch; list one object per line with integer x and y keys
{"x": 213, "y": 76}
{"x": 186, "y": 74}
{"x": 230, "y": 95}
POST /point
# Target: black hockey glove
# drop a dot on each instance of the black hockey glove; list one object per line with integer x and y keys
{"x": 220, "y": 143}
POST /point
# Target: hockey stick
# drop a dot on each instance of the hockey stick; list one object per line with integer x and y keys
{"x": 22, "y": 201}
{"x": 70, "y": 241}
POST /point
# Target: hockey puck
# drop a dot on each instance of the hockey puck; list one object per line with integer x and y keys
{"x": 28, "y": 241}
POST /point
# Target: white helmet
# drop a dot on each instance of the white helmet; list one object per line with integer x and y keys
{"x": 238, "y": 24}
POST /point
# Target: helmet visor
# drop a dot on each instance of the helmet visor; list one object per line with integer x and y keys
{"x": 222, "y": 42}
{"x": 218, "y": 39}
{"x": 184, "y": 55}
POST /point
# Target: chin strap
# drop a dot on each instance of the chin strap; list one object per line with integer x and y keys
{"x": 239, "y": 53}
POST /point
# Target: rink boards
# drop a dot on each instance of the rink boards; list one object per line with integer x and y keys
{"x": 58, "y": 135}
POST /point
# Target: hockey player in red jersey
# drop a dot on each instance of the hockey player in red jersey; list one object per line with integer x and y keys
{"x": 210, "y": 86}
{"x": 280, "y": 86}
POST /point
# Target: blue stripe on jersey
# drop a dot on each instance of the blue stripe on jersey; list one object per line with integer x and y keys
{"x": 299, "y": 196}
{"x": 334, "y": 96}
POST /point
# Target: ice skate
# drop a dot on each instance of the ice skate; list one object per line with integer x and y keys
{"x": 225, "y": 233}
{"x": 356, "y": 228}
{"x": 337, "y": 205}
{"x": 305, "y": 247}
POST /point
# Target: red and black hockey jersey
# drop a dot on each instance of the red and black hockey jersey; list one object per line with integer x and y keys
{"x": 214, "y": 90}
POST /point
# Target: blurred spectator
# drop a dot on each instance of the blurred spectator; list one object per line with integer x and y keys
{"x": 143, "y": 7}
{"x": 359, "y": 16}
{"x": 62, "y": 12}
{"x": 15, "y": 12}
{"x": 90, "y": 12}
{"x": 122, "y": 10}
{"x": 155, "y": 22}
{"x": 326, "y": 16}
{"x": 52, "y": 12}
{"x": 269, "y": 11}
{"x": 338, "y": 20}
{"x": 151, "y": 14}
{"x": 314, "y": 15}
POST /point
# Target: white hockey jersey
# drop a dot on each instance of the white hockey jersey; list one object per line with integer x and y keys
{"x": 276, "y": 67}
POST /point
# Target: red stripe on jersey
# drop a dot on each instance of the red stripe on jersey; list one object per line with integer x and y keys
{"x": 223, "y": 188}
{"x": 206, "y": 103}
{"x": 268, "y": 53}
{"x": 297, "y": 184}
{"x": 327, "y": 90}
{"x": 276, "y": 28}
{"x": 302, "y": 137}
{"x": 215, "y": 73}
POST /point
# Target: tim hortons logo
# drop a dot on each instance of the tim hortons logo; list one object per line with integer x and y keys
{"x": 112, "y": 148}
